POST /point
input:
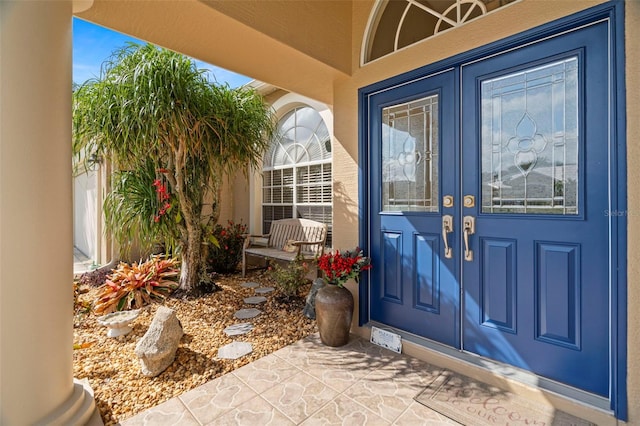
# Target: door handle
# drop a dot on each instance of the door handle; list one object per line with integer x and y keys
{"x": 447, "y": 228}
{"x": 469, "y": 228}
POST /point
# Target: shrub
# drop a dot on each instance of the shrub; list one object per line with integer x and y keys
{"x": 225, "y": 257}
{"x": 95, "y": 278}
{"x": 291, "y": 277}
{"x": 137, "y": 285}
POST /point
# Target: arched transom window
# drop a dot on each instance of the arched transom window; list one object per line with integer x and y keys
{"x": 297, "y": 170}
{"x": 395, "y": 24}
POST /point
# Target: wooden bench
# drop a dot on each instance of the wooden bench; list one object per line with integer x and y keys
{"x": 287, "y": 239}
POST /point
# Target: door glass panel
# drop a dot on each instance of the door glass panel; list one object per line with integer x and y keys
{"x": 410, "y": 156}
{"x": 530, "y": 140}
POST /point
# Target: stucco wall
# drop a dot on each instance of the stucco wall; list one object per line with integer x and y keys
{"x": 632, "y": 26}
{"x": 85, "y": 206}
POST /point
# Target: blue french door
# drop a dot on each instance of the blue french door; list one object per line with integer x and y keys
{"x": 536, "y": 277}
{"x": 413, "y": 151}
{"x": 487, "y": 208}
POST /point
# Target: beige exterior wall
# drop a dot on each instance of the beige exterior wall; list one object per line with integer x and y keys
{"x": 632, "y": 50}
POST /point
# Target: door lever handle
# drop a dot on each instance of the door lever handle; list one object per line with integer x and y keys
{"x": 447, "y": 228}
{"x": 469, "y": 228}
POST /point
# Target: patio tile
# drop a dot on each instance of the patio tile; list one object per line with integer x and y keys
{"x": 407, "y": 371}
{"x": 169, "y": 413}
{"x": 387, "y": 398}
{"x": 265, "y": 373}
{"x": 299, "y": 396}
{"x": 419, "y": 415}
{"x": 365, "y": 347}
{"x": 338, "y": 378}
{"x": 256, "y": 412}
{"x": 211, "y": 400}
{"x": 344, "y": 411}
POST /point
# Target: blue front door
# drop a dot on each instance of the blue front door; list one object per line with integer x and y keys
{"x": 413, "y": 150}
{"x": 487, "y": 206}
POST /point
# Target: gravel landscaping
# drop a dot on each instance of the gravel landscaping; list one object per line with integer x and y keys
{"x": 113, "y": 369}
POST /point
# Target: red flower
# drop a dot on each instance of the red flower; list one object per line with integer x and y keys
{"x": 338, "y": 267}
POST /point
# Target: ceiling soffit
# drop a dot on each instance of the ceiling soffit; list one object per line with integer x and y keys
{"x": 273, "y": 52}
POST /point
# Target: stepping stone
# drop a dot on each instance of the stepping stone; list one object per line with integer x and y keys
{"x": 250, "y": 285}
{"x": 235, "y": 350}
{"x": 264, "y": 290}
{"x": 247, "y": 313}
{"x": 254, "y": 300}
{"x": 238, "y": 329}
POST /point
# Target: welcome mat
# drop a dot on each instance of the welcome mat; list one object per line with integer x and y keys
{"x": 477, "y": 404}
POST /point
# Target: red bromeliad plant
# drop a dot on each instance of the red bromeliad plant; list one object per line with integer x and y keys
{"x": 137, "y": 285}
{"x": 338, "y": 268}
{"x": 163, "y": 198}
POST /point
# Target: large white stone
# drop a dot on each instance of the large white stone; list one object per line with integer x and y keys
{"x": 157, "y": 348}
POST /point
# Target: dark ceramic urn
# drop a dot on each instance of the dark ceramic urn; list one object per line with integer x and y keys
{"x": 334, "y": 310}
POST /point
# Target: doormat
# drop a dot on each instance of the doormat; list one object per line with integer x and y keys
{"x": 473, "y": 403}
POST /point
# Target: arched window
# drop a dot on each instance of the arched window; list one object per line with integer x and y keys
{"x": 395, "y": 24}
{"x": 296, "y": 176}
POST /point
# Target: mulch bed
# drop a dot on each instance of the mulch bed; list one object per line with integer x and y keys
{"x": 113, "y": 369}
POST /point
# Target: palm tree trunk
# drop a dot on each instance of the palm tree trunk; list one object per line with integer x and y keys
{"x": 192, "y": 258}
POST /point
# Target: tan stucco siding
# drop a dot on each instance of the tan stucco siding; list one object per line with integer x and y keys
{"x": 632, "y": 49}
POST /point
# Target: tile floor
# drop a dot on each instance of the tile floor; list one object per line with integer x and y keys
{"x": 311, "y": 384}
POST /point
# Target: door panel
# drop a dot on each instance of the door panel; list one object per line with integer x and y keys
{"x": 534, "y": 153}
{"x": 412, "y": 136}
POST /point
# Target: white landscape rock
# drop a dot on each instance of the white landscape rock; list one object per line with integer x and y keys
{"x": 157, "y": 348}
{"x": 235, "y": 350}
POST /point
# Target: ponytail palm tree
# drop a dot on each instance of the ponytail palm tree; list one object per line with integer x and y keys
{"x": 172, "y": 136}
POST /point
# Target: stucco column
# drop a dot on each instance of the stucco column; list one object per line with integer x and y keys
{"x": 36, "y": 237}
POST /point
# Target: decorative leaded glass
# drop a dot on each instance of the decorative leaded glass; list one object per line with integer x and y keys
{"x": 410, "y": 156}
{"x": 396, "y": 24}
{"x": 530, "y": 140}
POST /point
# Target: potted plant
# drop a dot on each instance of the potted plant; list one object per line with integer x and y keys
{"x": 334, "y": 303}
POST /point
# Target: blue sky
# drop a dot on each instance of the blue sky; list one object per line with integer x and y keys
{"x": 93, "y": 44}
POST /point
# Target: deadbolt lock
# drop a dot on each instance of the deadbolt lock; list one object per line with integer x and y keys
{"x": 469, "y": 201}
{"x": 447, "y": 201}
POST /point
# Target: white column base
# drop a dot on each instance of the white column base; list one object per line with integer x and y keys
{"x": 78, "y": 409}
